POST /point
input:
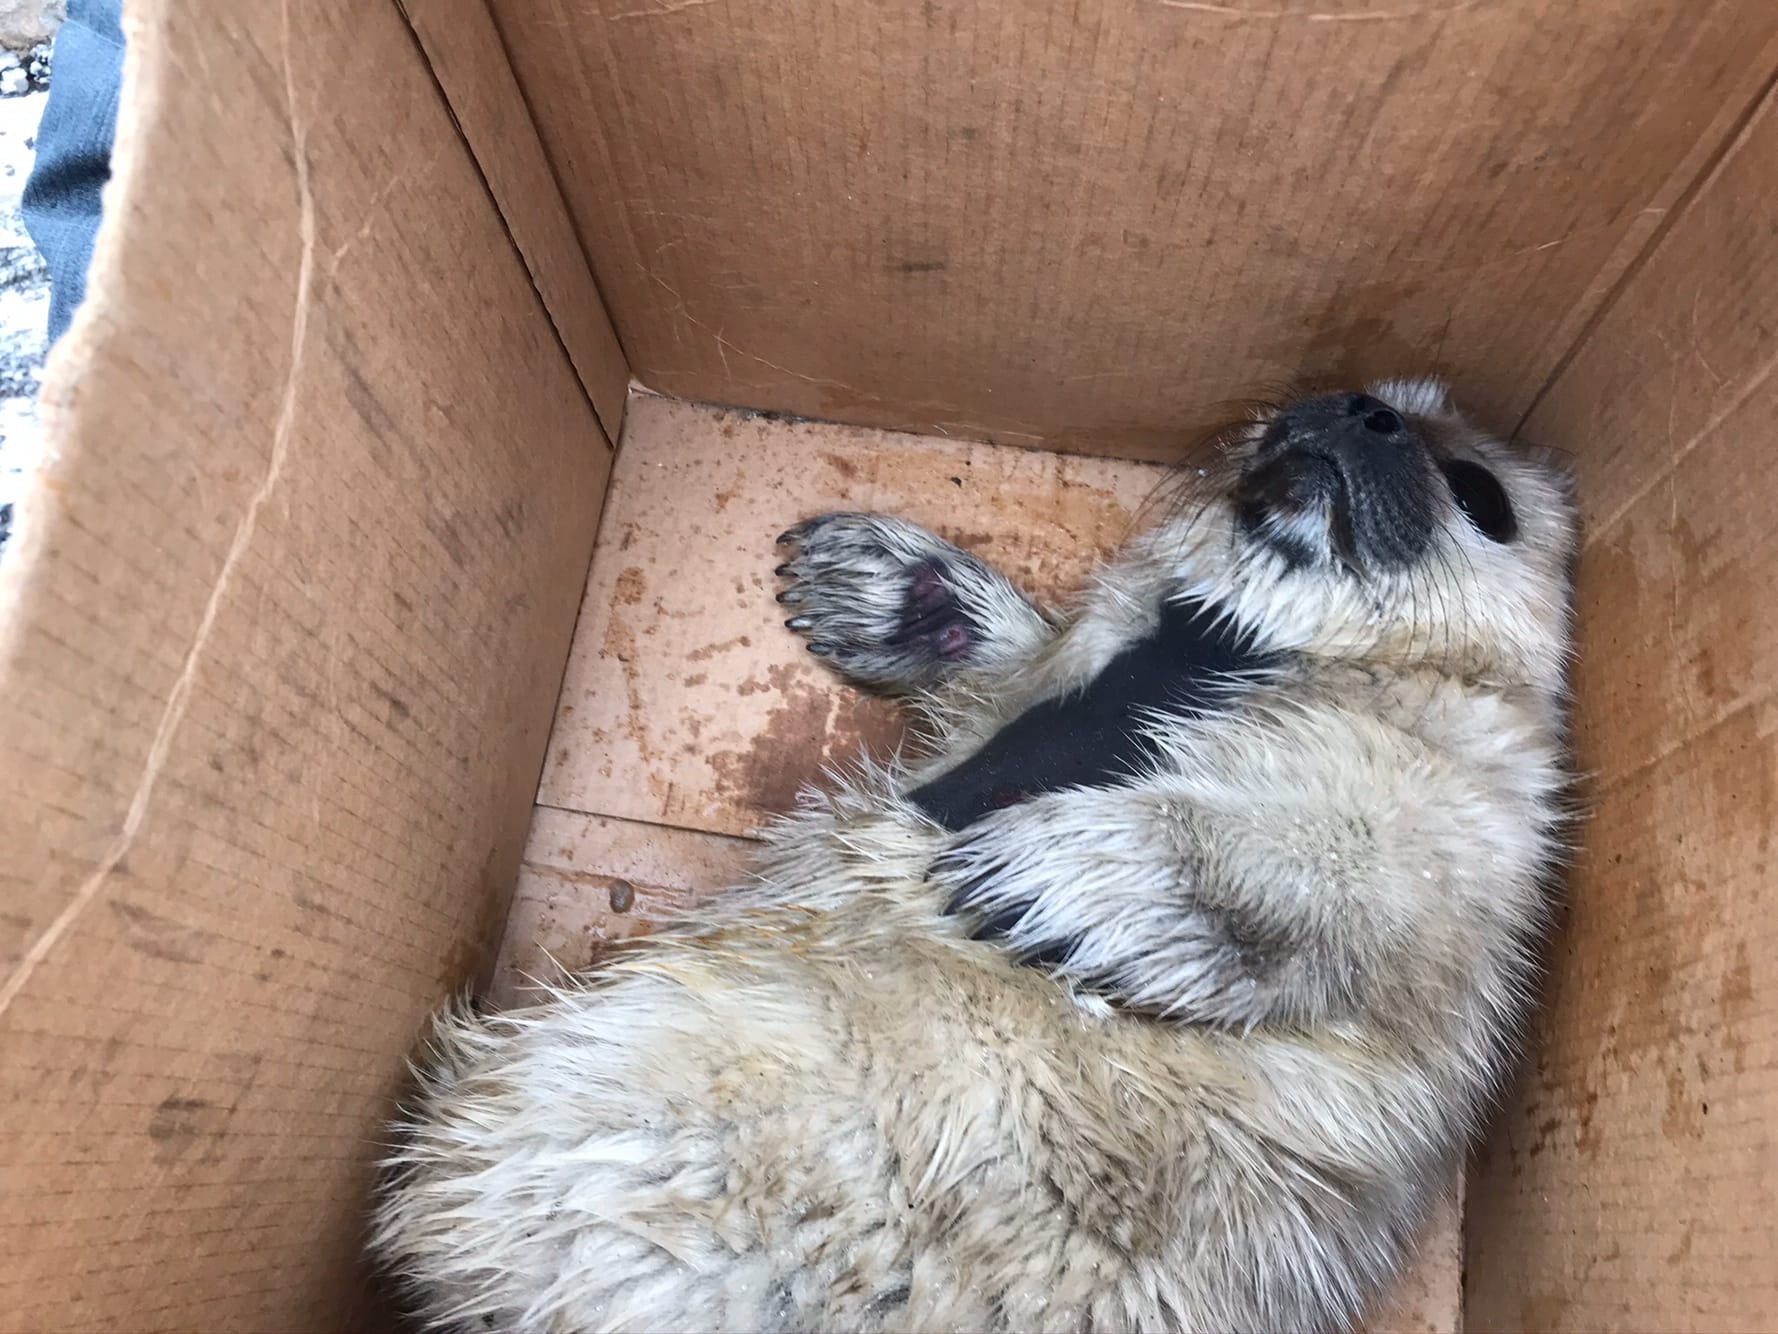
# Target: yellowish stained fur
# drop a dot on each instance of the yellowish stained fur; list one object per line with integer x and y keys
{"x": 818, "y": 1104}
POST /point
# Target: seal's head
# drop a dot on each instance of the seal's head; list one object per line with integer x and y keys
{"x": 1380, "y": 524}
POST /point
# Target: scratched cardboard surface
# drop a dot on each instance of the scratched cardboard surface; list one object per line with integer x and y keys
{"x": 689, "y": 713}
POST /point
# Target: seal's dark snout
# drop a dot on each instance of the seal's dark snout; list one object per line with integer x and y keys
{"x": 1362, "y": 462}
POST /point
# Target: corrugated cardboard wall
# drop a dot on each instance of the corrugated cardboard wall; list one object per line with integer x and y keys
{"x": 1633, "y": 1182}
{"x": 465, "y": 53}
{"x": 283, "y": 630}
{"x": 1080, "y": 222}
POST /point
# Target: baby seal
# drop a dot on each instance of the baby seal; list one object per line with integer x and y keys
{"x": 1161, "y": 993}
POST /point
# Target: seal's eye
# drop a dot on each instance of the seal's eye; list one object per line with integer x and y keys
{"x": 1482, "y": 499}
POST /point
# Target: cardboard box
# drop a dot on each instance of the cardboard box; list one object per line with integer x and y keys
{"x": 285, "y": 635}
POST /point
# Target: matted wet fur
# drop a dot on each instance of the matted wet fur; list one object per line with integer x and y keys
{"x": 1194, "y": 1046}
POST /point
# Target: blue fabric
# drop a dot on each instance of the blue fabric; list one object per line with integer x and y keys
{"x": 61, "y": 200}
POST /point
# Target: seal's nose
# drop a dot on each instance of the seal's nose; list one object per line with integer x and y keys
{"x": 1376, "y": 415}
{"x": 1333, "y": 423}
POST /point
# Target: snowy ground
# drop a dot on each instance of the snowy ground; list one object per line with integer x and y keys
{"x": 24, "y": 294}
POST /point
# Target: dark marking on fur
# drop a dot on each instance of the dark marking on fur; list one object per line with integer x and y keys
{"x": 1262, "y": 948}
{"x": 1095, "y": 736}
{"x": 1001, "y": 924}
{"x": 782, "y": 1305}
{"x": 885, "y": 1303}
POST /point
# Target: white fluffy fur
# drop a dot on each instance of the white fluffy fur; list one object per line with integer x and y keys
{"x": 1302, "y": 947}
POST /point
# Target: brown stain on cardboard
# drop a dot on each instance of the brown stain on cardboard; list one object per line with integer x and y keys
{"x": 472, "y": 950}
{"x": 630, "y": 587}
{"x": 1587, "y": 1141}
{"x": 809, "y": 725}
{"x": 178, "y": 1123}
{"x": 1047, "y": 536}
{"x": 1684, "y": 1115}
{"x": 619, "y": 645}
{"x": 188, "y": 1128}
{"x": 1357, "y": 332}
{"x": 312, "y": 907}
{"x": 1735, "y": 1006}
{"x": 1735, "y": 1002}
{"x": 709, "y": 651}
{"x": 1543, "y": 1310}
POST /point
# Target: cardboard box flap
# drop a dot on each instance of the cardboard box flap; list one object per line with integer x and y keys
{"x": 281, "y": 637}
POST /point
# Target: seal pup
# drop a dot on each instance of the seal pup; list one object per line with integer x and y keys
{"x": 1162, "y": 992}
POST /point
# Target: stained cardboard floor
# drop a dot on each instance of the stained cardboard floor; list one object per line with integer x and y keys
{"x": 688, "y": 714}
